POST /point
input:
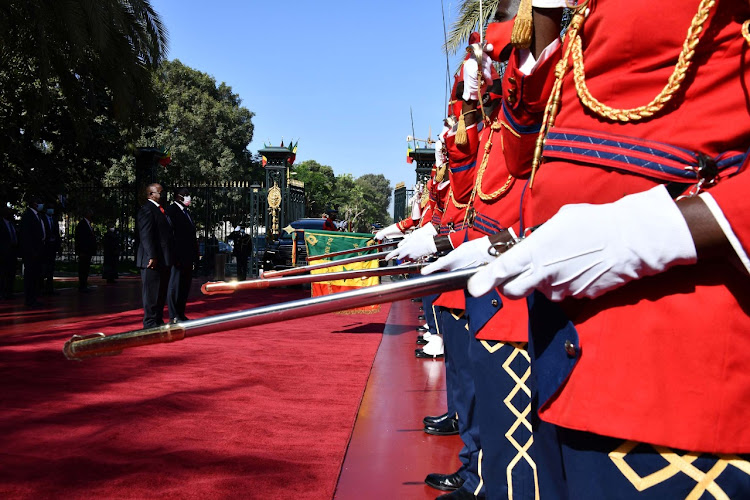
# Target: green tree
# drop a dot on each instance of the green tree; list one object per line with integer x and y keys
{"x": 74, "y": 77}
{"x": 201, "y": 124}
{"x": 376, "y": 195}
{"x": 362, "y": 201}
{"x": 320, "y": 184}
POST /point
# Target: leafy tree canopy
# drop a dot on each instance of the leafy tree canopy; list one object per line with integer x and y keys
{"x": 74, "y": 77}
{"x": 203, "y": 126}
{"x": 320, "y": 186}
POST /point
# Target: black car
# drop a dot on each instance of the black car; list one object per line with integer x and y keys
{"x": 278, "y": 254}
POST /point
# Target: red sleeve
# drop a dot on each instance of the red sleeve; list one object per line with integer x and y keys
{"x": 458, "y": 237}
{"x": 405, "y": 224}
{"x": 463, "y": 163}
{"x": 731, "y": 196}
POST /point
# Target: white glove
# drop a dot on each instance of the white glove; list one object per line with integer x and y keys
{"x": 416, "y": 208}
{"x": 588, "y": 250}
{"x": 471, "y": 85}
{"x": 468, "y": 254}
{"x": 439, "y": 154}
{"x": 389, "y": 232}
{"x": 418, "y": 244}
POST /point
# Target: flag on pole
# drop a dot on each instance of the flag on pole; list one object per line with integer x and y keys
{"x": 322, "y": 242}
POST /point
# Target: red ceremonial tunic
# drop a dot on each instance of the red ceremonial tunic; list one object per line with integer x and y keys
{"x": 664, "y": 359}
{"x": 497, "y": 194}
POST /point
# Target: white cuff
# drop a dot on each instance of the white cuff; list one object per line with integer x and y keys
{"x": 726, "y": 228}
{"x": 549, "y": 4}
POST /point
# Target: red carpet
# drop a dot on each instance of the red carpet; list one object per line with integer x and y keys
{"x": 262, "y": 412}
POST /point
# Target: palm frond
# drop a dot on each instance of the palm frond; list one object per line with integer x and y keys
{"x": 468, "y": 21}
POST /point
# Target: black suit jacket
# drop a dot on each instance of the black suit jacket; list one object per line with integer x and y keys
{"x": 8, "y": 250}
{"x": 186, "y": 244}
{"x": 155, "y": 237}
{"x": 85, "y": 239}
{"x": 32, "y": 235}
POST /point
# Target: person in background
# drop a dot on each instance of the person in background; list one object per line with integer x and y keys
{"x": 185, "y": 257}
{"x": 8, "y": 252}
{"x": 242, "y": 249}
{"x": 52, "y": 249}
{"x": 111, "y": 247}
{"x": 32, "y": 241}
{"x": 85, "y": 245}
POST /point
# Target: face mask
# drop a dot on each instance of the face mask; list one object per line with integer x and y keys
{"x": 50, "y": 211}
{"x": 186, "y": 200}
{"x": 39, "y": 207}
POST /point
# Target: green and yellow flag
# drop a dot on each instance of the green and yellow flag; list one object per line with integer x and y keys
{"x": 322, "y": 242}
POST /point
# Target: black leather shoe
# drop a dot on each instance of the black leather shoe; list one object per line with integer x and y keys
{"x": 421, "y": 354}
{"x": 447, "y": 427}
{"x": 459, "y": 494}
{"x": 444, "y": 482}
{"x": 432, "y": 420}
{"x": 420, "y": 317}
{"x": 421, "y": 341}
{"x": 422, "y": 329}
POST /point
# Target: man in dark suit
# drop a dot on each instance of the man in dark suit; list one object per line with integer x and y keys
{"x": 85, "y": 249}
{"x": 53, "y": 248}
{"x": 33, "y": 238}
{"x": 186, "y": 255}
{"x": 154, "y": 256}
{"x": 8, "y": 252}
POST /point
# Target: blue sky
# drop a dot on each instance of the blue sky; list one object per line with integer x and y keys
{"x": 339, "y": 77}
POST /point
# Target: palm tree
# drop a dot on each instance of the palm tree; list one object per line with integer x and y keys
{"x": 75, "y": 77}
{"x": 66, "y": 46}
{"x": 469, "y": 19}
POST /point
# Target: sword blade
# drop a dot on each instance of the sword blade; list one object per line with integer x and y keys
{"x": 80, "y": 347}
{"x": 314, "y": 267}
{"x": 353, "y": 250}
{"x": 223, "y": 287}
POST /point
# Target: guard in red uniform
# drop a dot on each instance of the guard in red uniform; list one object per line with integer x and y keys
{"x": 639, "y": 312}
{"x": 498, "y": 361}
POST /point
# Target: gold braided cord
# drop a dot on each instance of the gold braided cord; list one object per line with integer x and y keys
{"x": 553, "y": 102}
{"x": 746, "y": 31}
{"x": 669, "y": 90}
{"x": 455, "y": 203}
{"x": 574, "y": 52}
{"x": 483, "y": 167}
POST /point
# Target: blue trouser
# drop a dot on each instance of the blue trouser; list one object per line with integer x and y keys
{"x": 429, "y": 312}
{"x": 460, "y": 386}
{"x": 503, "y": 412}
{"x": 581, "y": 465}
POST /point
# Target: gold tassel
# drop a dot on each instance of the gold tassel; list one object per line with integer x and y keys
{"x": 522, "y": 27}
{"x": 440, "y": 174}
{"x": 461, "y": 137}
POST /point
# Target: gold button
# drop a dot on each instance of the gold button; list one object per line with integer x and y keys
{"x": 511, "y": 99}
{"x": 570, "y": 348}
{"x": 511, "y": 80}
{"x": 494, "y": 302}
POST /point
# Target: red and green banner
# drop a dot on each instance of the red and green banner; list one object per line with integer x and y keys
{"x": 323, "y": 242}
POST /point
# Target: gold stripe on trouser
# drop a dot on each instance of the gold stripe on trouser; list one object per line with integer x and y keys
{"x": 479, "y": 473}
{"x": 522, "y": 415}
{"x": 705, "y": 481}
